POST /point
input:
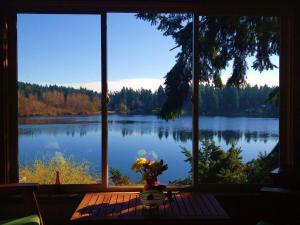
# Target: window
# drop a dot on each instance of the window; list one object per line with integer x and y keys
{"x": 223, "y": 136}
{"x": 59, "y": 74}
{"x": 139, "y": 57}
{"x": 239, "y": 126}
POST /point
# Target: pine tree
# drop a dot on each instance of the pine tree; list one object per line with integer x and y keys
{"x": 223, "y": 39}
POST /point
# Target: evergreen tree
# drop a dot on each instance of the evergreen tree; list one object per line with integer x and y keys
{"x": 223, "y": 39}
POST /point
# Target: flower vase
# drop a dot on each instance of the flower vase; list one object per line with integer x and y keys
{"x": 150, "y": 183}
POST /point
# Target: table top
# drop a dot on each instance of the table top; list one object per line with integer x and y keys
{"x": 127, "y": 205}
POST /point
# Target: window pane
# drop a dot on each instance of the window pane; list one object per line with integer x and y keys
{"x": 239, "y": 121}
{"x": 139, "y": 58}
{"x": 59, "y": 76}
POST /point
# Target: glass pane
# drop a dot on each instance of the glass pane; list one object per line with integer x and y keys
{"x": 59, "y": 76}
{"x": 139, "y": 57}
{"x": 239, "y": 121}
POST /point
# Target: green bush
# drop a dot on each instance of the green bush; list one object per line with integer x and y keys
{"x": 219, "y": 166}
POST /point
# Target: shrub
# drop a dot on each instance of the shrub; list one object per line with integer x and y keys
{"x": 45, "y": 173}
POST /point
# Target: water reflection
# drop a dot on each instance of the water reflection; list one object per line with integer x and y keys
{"x": 162, "y": 132}
{"x": 80, "y": 139}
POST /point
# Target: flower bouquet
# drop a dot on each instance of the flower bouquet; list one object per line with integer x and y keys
{"x": 150, "y": 169}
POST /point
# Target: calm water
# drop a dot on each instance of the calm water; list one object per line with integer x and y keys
{"x": 79, "y": 138}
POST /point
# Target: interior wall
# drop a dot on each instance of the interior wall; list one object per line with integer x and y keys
{"x": 2, "y": 139}
{"x": 8, "y": 94}
{"x": 296, "y": 100}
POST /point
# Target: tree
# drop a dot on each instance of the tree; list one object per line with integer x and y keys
{"x": 78, "y": 103}
{"x": 54, "y": 98}
{"x": 223, "y": 39}
{"x": 123, "y": 109}
{"x": 230, "y": 100}
{"x": 217, "y": 165}
{"x": 96, "y": 104}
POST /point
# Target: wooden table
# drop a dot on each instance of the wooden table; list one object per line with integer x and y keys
{"x": 116, "y": 207}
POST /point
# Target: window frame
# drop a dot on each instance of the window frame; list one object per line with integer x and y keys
{"x": 9, "y": 124}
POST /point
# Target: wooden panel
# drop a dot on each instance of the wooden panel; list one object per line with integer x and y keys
{"x": 193, "y": 204}
{"x": 8, "y": 99}
{"x": 132, "y": 203}
{"x": 216, "y": 205}
{"x": 139, "y": 207}
{"x": 122, "y": 206}
{"x": 98, "y": 206}
{"x": 111, "y": 205}
{"x": 179, "y": 202}
{"x": 125, "y": 205}
{"x": 213, "y": 7}
{"x": 199, "y": 202}
{"x": 118, "y": 205}
{"x": 78, "y": 213}
{"x": 104, "y": 206}
{"x": 189, "y": 208}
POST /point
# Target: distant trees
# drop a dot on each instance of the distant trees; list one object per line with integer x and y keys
{"x": 237, "y": 101}
{"x": 79, "y": 103}
{"x": 37, "y": 100}
{"x": 54, "y": 100}
{"x": 142, "y": 101}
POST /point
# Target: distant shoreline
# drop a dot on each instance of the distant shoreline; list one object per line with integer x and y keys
{"x": 35, "y": 120}
{"x": 256, "y": 115}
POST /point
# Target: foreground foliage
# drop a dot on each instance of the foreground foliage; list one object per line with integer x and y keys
{"x": 224, "y": 167}
{"x": 219, "y": 166}
{"x": 45, "y": 173}
{"x": 215, "y": 166}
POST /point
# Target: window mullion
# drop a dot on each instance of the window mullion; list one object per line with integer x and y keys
{"x": 195, "y": 98}
{"x": 104, "y": 99}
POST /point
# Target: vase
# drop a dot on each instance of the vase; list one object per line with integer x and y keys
{"x": 150, "y": 182}
{"x": 152, "y": 198}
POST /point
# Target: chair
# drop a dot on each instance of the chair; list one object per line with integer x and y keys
{"x": 11, "y": 194}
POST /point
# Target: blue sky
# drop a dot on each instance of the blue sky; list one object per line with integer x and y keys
{"x": 65, "y": 50}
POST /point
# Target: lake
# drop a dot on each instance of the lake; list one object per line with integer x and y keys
{"x": 79, "y": 138}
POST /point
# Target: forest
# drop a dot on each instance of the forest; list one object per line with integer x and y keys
{"x": 53, "y": 100}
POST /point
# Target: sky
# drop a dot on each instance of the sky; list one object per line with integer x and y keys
{"x": 66, "y": 50}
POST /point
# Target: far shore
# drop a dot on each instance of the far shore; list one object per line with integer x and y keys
{"x": 57, "y": 120}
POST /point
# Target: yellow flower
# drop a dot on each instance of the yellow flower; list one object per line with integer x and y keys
{"x": 138, "y": 164}
{"x": 155, "y": 165}
{"x": 141, "y": 161}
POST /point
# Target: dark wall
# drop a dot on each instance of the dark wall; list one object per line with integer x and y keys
{"x": 296, "y": 99}
{"x": 8, "y": 93}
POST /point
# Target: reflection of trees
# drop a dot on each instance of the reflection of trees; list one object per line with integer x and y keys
{"x": 231, "y": 136}
{"x": 251, "y": 136}
{"x": 126, "y": 132}
{"x": 163, "y": 132}
{"x": 206, "y": 134}
{"x": 167, "y": 133}
{"x": 160, "y": 133}
{"x": 182, "y": 135}
{"x": 69, "y": 130}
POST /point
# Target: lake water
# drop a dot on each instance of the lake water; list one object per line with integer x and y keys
{"x": 79, "y": 138}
